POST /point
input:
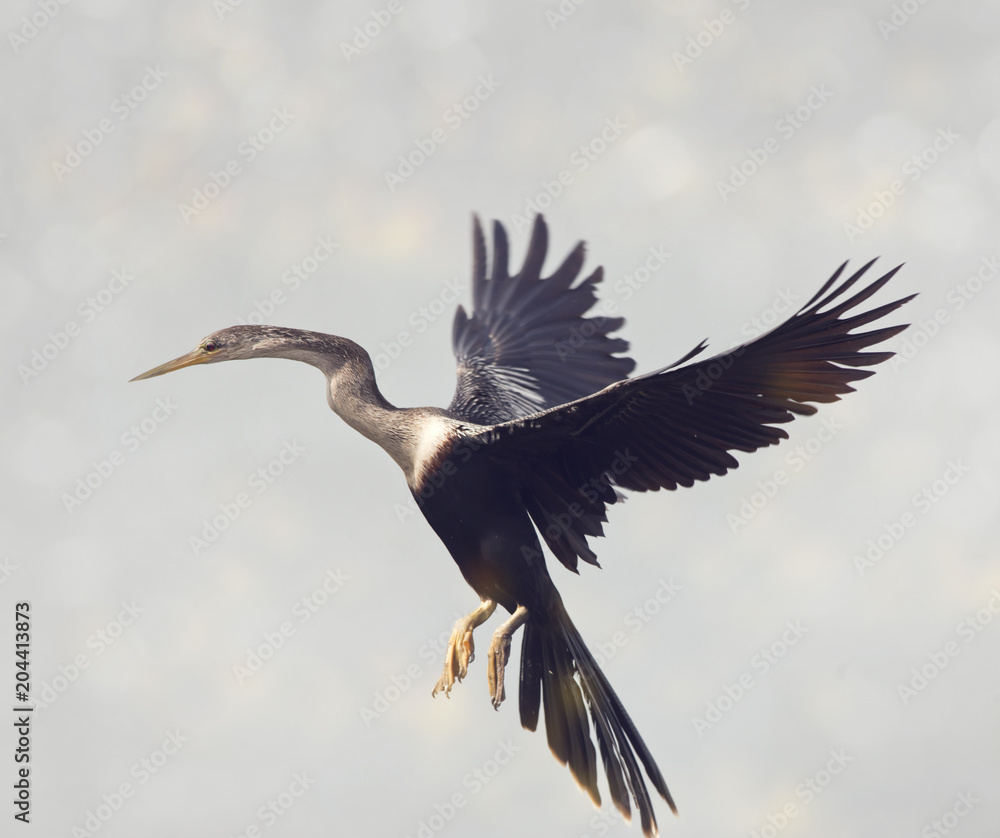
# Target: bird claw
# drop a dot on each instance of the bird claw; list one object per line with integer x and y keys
{"x": 500, "y": 654}
{"x": 460, "y": 653}
{"x": 461, "y": 649}
{"x": 495, "y": 666}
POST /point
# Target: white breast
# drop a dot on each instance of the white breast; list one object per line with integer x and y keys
{"x": 432, "y": 434}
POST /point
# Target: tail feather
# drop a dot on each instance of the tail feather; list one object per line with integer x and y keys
{"x": 529, "y": 694}
{"x": 566, "y": 724}
{"x": 559, "y": 673}
{"x": 626, "y": 723}
{"x": 620, "y": 792}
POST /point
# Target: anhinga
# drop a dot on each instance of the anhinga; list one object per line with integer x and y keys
{"x": 543, "y": 431}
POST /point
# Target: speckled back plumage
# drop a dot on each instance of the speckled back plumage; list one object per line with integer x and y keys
{"x": 528, "y": 346}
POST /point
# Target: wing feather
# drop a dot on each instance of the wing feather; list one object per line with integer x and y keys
{"x": 678, "y": 425}
{"x": 527, "y": 345}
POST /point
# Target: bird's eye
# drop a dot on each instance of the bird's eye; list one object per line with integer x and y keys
{"x": 210, "y": 346}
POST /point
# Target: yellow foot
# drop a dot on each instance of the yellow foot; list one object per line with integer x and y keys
{"x": 500, "y": 653}
{"x": 461, "y": 650}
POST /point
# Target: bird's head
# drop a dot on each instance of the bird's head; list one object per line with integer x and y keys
{"x": 328, "y": 352}
{"x": 225, "y": 345}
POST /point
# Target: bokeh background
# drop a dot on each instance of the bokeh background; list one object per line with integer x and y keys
{"x": 168, "y": 169}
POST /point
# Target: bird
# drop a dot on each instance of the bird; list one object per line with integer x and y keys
{"x": 545, "y": 431}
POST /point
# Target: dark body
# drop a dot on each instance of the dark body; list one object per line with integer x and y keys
{"x": 544, "y": 430}
{"x": 475, "y": 510}
{"x": 473, "y": 501}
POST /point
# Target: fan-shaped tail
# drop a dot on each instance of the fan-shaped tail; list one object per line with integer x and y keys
{"x": 559, "y": 673}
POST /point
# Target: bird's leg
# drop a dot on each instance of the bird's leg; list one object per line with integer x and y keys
{"x": 461, "y": 649}
{"x": 500, "y": 653}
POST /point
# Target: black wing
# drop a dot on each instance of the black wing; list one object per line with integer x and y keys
{"x": 674, "y": 426}
{"x": 527, "y": 346}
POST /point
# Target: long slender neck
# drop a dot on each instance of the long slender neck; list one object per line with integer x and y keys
{"x": 413, "y": 437}
{"x": 353, "y": 394}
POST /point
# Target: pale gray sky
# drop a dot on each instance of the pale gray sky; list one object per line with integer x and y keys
{"x": 169, "y": 169}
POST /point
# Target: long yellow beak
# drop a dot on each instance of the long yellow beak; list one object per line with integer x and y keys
{"x": 197, "y": 356}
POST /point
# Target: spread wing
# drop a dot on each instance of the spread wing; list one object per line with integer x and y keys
{"x": 677, "y": 425}
{"x": 527, "y": 346}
